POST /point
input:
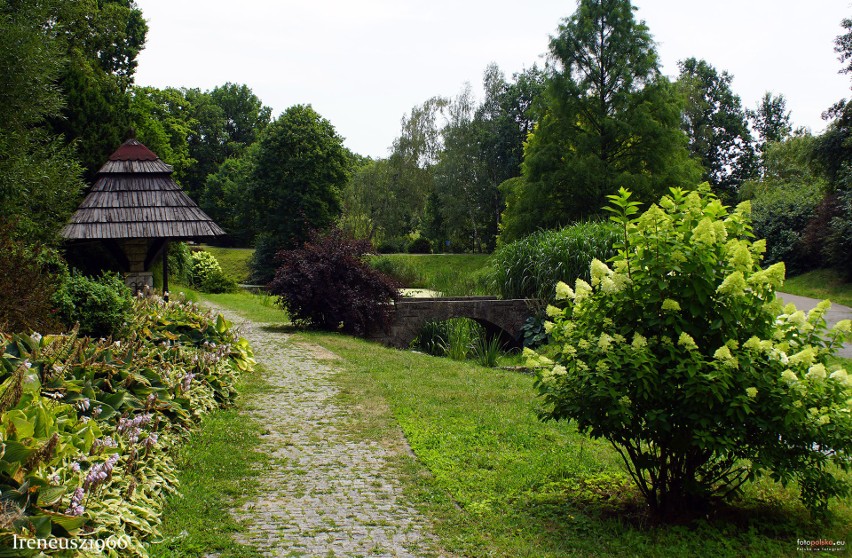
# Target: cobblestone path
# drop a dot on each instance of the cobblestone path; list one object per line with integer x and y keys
{"x": 325, "y": 494}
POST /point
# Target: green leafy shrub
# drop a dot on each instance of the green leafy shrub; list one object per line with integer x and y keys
{"x": 682, "y": 358}
{"x": 456, "y": 338}
{"x": 780, "y": 215}
{"x": 487, "y": 350}
{"x": 393, "y": 245}
{"x": 207, "y": 275}
{"x": 531, "y": 267}
{"x": 328, "y": 284}
{"x": 838, "y": 244}
{"x": 262, "y": 263}
{"x": 101, "y": 306}
{"x": 420, "y": 246}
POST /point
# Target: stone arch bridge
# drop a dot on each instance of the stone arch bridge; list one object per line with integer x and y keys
{"x": 503, "y": 318}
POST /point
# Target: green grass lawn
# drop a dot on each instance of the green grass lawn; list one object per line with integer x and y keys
{"x": 450, "y": 274}
{"x": 260, "y": 308}
{"x": 234, "y": 261}
{"x": 496, "y": 481}
{"x": 821, "y": 283}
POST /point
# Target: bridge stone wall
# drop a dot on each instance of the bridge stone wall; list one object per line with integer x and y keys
{"x": 499, "y": 317}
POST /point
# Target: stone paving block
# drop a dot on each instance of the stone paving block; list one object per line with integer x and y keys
{"x": 329, "y": 495}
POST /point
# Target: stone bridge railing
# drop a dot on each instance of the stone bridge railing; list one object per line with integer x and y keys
{"x": 504, "y": 318}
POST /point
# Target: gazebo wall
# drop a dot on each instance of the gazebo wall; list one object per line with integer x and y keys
{"x": 137, "y": 277}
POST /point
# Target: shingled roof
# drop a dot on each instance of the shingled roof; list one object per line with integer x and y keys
{"x": 134, "y": 196}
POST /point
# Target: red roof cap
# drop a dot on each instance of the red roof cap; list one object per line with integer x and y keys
{"x": 132, "y": 150}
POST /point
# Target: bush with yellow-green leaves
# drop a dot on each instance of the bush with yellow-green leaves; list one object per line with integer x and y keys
{"x": 680, "y": 354}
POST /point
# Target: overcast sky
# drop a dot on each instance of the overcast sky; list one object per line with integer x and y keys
{"x": 363, "y": 64}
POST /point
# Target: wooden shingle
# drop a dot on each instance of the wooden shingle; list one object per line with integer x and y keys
{"x": 134, "y": 196}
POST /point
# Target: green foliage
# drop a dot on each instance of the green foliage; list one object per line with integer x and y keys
{"x": 771, "y": 122}
{"x": 838, "y": 242}
{"x": 716, "y": 125}
{"x": 609, "y": 120}
{"x": 224, "y": 199}
{"x": 180, "y": 262}
{"x": 455, "y": 338}
{"x": 780, "y": 215}
{"x": 28, "y": 279}
{"x": 531, "y": 267}
{"x": 101, "y": 306}
{"x": 206, "y": 274}
{"x": 39, "y": 176}
{"x": 162, "y": 119}
{"x": 87, "y": 425}
{"x": 420, "y": 246}
{"x": 405, "y": 272}
{"x": 300, "y": 169}
{"x": 681, "y": 357}
{"x": 234, "y": 261}
{"x": 486, "y": 350}
{"x": 448, "y": 274}
{"x": 101, "y": 41}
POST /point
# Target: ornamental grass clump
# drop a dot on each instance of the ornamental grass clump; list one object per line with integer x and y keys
{"x": 680, "y": 355}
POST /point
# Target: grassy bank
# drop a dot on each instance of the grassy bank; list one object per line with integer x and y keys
{"x": 234, "y": 261}
{"x": 450, "y": 274}
{"x": 496, "y": 481}
{"x": 821, "y": 283}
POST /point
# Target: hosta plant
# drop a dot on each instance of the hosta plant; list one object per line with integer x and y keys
{"x": 86, "y": 425}
{"x": 680, "y": 355}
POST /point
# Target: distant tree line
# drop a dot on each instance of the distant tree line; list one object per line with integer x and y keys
{"x": 541, "y": 149}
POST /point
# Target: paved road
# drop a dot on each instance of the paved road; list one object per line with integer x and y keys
{"x": 836, "y": 313}
{"x": 325, "y": 494}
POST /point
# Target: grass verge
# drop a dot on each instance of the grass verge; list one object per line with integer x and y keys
{"x": 821, "y": 284}
{"x": 218, "y": 470}
{"x": 260, "y": 308}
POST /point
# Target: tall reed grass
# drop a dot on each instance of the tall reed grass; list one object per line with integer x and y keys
{"x": 531, "y": 267}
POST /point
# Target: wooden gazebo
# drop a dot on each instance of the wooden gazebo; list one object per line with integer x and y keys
{"x": 135, "y": 209}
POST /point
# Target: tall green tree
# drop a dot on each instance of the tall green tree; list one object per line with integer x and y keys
{"x": 224, "y": 197}
{"x": 226, "y": 120}
{"x": 834, "y": 148}
{"x": 770, "y": 120}
{"x": 245, "y": 116}
{"x": 162, "y": 119}
{"x": 371, "y": 209}
{"x": 101, "y": 41}
{"x": 610, "y": 120}
{"x": 461, "y": 183}
{"x": 300, "y": 169}
{"x": 716, "y": 125}
{"x": 39, "y": 174}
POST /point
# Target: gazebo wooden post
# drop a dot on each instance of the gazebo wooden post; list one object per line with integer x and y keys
{"x": 166, "y": 271}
